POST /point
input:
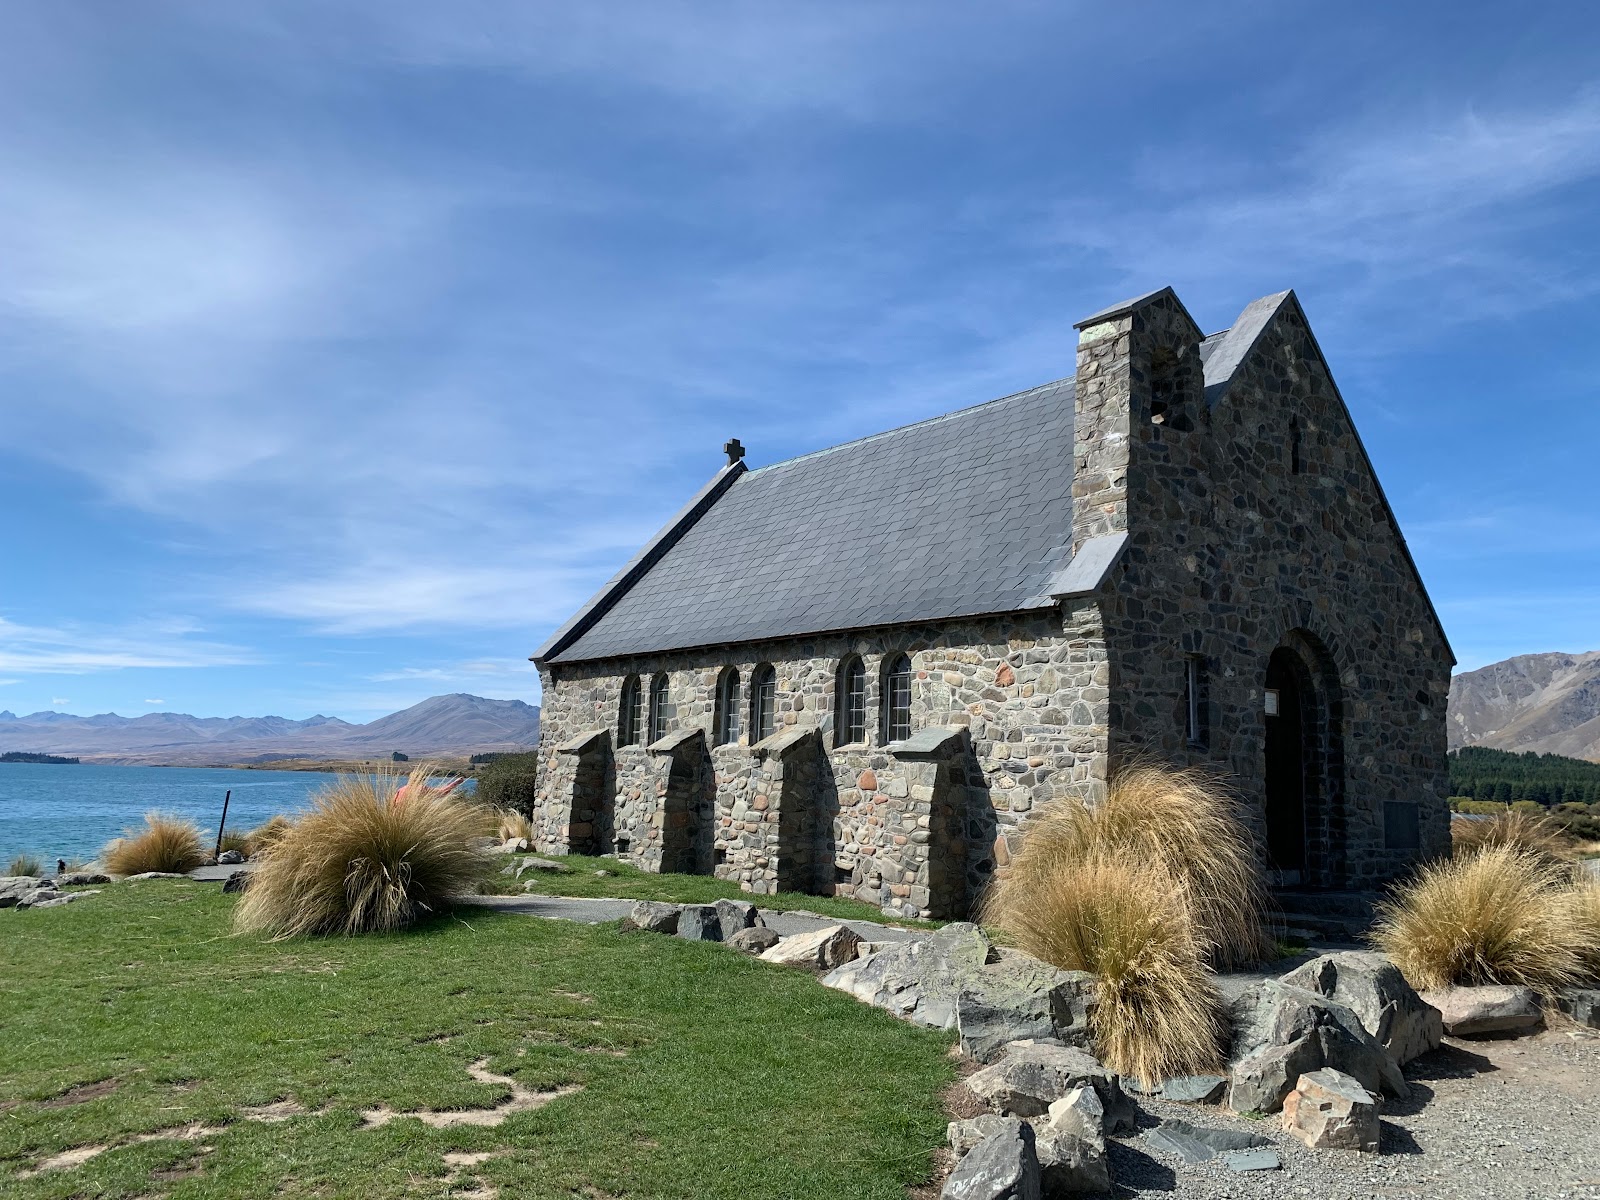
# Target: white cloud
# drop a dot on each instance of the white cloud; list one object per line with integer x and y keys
{"x": 155, "y": 701}
{"x": 82, "y": 650}
{"x": 57, "y": 701}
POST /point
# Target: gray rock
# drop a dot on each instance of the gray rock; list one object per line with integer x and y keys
{"x": 81, "y": 879}
{"x": 821, "y": 949}
{"x": 1328, "y": 1110}
{"x": 153, "y": 875}
{"x": 964, "y": 1135}
{"x": 14, "y": 887}
{"x": 1179, "y": 1145}
{"x": 237, "y": 882}
{"x": 1194, "y": 1089}
{"x": 1020, "y": 998}
{"x": 532, "y": 863}
{"x": 1217, "y": 1139}
{"x": 1281, "y": 1031}
{"x": 1581, "y": 1004}
{"x": 921, "y": 979}
{"x": 39, "y": 898}
{"x": 736, "y": 915}
{"x": 1071, "y": 1145}
{"x": 483, "y": 845}
{"x": 513, "y": 846}
{"x": 1034, "y": 1075}
{"x": 1004, "y": 1166}
{"x": 1079, "y": 1111}
{"x": 1372, "y": 987}
{"x": 56, "y": 900}
{"x": 1252, "y": 1160}
{"x": 229, "y": 858}
{"x": 655, "y": 916}
{"x": 1468, "y": 1011}
{"x": 699, "y": 923}
{"x": 755, "y": 940}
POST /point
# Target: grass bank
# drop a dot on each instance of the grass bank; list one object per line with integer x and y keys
{"x": 626, "y": 882}
{"x": 702, "y": 1073}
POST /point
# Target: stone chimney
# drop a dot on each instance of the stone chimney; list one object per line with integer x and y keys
{"x": 1140, "y": 382}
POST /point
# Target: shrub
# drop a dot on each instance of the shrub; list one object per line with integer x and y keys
{"x": 164, "y": 844}
{"x": 509, "y": 782}
{"x": 1500, "y": 915}
{"x": 1532, "y": 832}
{"x": 25, "y": 864}
{"x": 266, "y": 835}
{"x": 1586, "y": 909}
{"x": 372, "y": 855}
{"x": 1180, "y": 820}
{"x": 1129, "y": 922}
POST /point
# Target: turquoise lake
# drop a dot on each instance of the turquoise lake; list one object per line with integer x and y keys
{"x": 72, "y": 811}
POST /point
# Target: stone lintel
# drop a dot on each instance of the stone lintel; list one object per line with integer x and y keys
{"x": 585, "y": 742}
{"x": 675, "y": 741}
{"x": 934, "y": 742}
{"x": 783, "y": 741}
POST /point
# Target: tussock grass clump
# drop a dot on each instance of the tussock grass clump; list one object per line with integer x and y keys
{"x": 1128, "y": 922}
{"x": 266, "y": 835}
{"x": 1586, "y": 911}
{"x": 373, "y": 855}
{"x": 1532, "y": 833}
{"x": 25, "y": 864}
{"x": 233, "y": 840}
{"x": 1178, "y": 819}
{"x": 165, "y": 843}
{"x": 513, "y": 824}
{"x": 1499, "y": 915}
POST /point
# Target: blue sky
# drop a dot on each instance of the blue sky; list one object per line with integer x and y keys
{"x": 347, "y": 345}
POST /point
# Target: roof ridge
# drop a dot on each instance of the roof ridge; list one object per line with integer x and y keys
{"x": 872, "y": 437}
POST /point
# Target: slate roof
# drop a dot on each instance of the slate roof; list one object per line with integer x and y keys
{"x": 965, "y": 514}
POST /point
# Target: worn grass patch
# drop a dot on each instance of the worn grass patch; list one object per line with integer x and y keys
{"x": 627, "y": 882}
{"x": 210, "y": 1065}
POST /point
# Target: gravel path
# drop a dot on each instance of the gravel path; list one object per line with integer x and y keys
{"x": 590, "y": 911}
{"x": 1486, "y": 1118}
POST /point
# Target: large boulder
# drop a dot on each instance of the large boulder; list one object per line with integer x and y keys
{"x": 1019, "y": 998}
{"x": 81, "y": 879}
{"x": 1281, "y": 1031}
{"x": 14, "y": 887}
{"x": 1495, "y": 1008}
{"x": 821, "y": 949}
{"x": 921, "y": 979}
{"x": 1004, "y": 1166}
{"x": 699, "y": 923}
{"x": 654, "y": 916}
{"x": 1581, "y": 1004}
{"x": 755, "y": 940}
{"x": 1031, "y": 1076}
{"x": 964, "y": 1135}
{"x": 1328, "y": 1110}
{"x": 734, "y": 915}
{"x": 1372, "y": 987}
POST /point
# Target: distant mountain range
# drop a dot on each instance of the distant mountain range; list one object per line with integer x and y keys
{"x": 455, "y": 724}
{"x": 1549, "y": 703}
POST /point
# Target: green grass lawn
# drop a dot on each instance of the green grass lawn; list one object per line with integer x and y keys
{"x": 703, "y": 1073}
{"x": 627, "y": 882}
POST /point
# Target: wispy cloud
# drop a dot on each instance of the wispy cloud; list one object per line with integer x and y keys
{"x": 81, "y": 650}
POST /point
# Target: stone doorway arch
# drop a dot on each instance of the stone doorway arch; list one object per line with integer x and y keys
{"x": 1303, "y": 712}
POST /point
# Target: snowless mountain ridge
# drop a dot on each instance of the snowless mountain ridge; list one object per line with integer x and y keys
{"x": 1548, "y": 703}
{"x": 453, "y": 724}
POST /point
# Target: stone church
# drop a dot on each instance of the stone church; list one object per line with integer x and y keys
{"x": 858, "y": 671}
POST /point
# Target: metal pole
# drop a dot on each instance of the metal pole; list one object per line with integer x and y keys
{"x": 228, "y": 795}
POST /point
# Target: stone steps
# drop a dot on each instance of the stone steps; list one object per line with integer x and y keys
{"x": 1320, "y": 916}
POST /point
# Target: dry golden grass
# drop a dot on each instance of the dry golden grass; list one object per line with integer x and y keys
{"x": 164, "y": 844}
{"x": 1534, "y": 833}
{"x": 1127, "y": 921}
{"x": 266, "y": 835}
{"x": 372, "y": 855}
{"x": 25, "y": 864}
{"x": 1499, "y": 915}
{"x": 513, "y": 824}
{"x": 1179, "y": 819}
{"x": 1586, "y": 911}
{"x": 232, "y": 839}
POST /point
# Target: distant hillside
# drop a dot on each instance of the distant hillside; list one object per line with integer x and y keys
{"x": 457, "y": 724}
{"x": 1504, "y": 776}
{"x": 1549, "y": 703}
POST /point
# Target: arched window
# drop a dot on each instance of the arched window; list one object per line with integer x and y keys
{"x": 763, "y": 702}
{"x": 658, "y": 708}
{"x": 897, "y": 699}
{"x": 631, "y": 713}
{"x": 727, "y": 716}
{"x": 850, "y": 722}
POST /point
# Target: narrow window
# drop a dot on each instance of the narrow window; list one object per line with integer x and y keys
{"x": 851, "y": 720}
{"x": 1294, "y": 448}
{"x": 658, "y": 708}
{"x": 727, "y": 720}
{"x": 1194, "y": 688}
{"x": 897, "y": 699}
{"x": 630, "y": 715}
{"x": 763, "y": 702}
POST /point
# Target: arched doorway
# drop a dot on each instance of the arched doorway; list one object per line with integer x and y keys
{"x": 1304, "y": 765}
